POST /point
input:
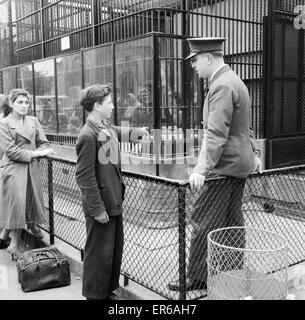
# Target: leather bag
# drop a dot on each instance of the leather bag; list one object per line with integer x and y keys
{"x": 43, "y": 268}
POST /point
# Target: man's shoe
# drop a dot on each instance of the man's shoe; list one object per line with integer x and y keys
{"x": 190, "y": 285}
{"x": 112, "y": 296}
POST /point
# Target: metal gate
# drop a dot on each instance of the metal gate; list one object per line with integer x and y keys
{"x": 284, "y": 96}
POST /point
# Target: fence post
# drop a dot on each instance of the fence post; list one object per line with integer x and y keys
{"x": 126, "y": 280}
{"x": 182, "y": 242}
{"x": 51, "y": 202}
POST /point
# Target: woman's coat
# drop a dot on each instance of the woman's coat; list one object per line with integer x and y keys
{"x": 16, "y": 167}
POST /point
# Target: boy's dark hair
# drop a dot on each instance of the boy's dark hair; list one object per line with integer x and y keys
{"x": 92, "y": 94}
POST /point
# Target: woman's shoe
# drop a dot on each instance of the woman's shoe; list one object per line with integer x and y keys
{"x": 4, "y": 243}
{"x": 15, "y": 253}
{"x": 35, "y": 231}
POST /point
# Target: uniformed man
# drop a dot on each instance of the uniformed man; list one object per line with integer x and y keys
{"x": 228, "y": 149}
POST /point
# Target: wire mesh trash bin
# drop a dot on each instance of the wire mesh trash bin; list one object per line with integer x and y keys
{"x": 246, "y": 264}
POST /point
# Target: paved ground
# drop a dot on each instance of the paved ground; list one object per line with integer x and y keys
{"x": 151, "y": 255}
{"x": 10, "y": 288}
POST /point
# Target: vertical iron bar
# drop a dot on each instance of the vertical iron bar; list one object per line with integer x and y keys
{"x": 185, "y": 75}
{"x": 300, "y": 59}
{"x": 93, "y": 21}
{"x": 33, "y": 82}
{"x": 268, "y": 70}
{"x": 114, "y": 86}
{"x": 82, "y": 68}
{"x": 56, "y": 95}
{"x": 51, "y": 204}
{"x": 1, "y": 80}
{"x": 16, "y": 76}
{"x": 156, "y": 101}
{"x": 83, "y": 81}
{"x": 126, "y": 281}
{"x": 267, "y": 76}
{"x": 42, "y": 31}
{"x": 10, "y": 26}
{"x": 182, "y": 242}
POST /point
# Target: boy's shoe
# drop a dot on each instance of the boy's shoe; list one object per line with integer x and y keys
{"x": 113, "y": 296}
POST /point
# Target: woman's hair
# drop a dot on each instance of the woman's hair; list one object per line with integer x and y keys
{"x": 15, "y": 93}
{"x": 92, "y": 94}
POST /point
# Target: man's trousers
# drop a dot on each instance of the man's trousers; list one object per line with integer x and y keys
{"x": 218, "y": 206}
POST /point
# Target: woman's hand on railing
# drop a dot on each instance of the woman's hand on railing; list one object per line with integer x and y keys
{"x": 145, "y": 132}
{"x": 43, "y": 153}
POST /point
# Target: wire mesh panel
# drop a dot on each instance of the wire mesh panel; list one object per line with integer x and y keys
{"x": 246, "y": 263}
{"x": 166, "y": 224}
{"x": 63, "y": 202}
{"x": 151, "y": 233}
{"x": 9, "y": 80}
{"x": 7, "y": 56}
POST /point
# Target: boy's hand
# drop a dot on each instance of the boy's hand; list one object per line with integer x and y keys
{"x": 196, "y": 181}
{"x": 258, "y": 166}
{"x": 145, "y": 132}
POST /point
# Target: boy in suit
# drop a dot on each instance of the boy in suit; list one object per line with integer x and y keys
{"x": 99, "y": 177}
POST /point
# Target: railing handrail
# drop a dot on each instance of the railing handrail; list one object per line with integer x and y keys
{"x": 185, "y": 182}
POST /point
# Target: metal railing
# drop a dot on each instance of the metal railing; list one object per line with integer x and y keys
{"x": 160, "y": 218}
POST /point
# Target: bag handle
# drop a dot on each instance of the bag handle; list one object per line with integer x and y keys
{"x": 42, "y": 253}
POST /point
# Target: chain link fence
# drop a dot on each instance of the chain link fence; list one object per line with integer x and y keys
{"x": 166, "y": 224}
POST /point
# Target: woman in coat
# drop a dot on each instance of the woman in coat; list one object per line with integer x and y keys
{"x": 22, "y": 141}
{"x": 4, "y": 112}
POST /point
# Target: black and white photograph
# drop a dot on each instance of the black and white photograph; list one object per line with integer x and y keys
{"x": 152, "y": 153}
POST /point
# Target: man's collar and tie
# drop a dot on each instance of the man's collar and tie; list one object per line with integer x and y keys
{"x": 223, "y": 68}
{"x": 216, "y": 71}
